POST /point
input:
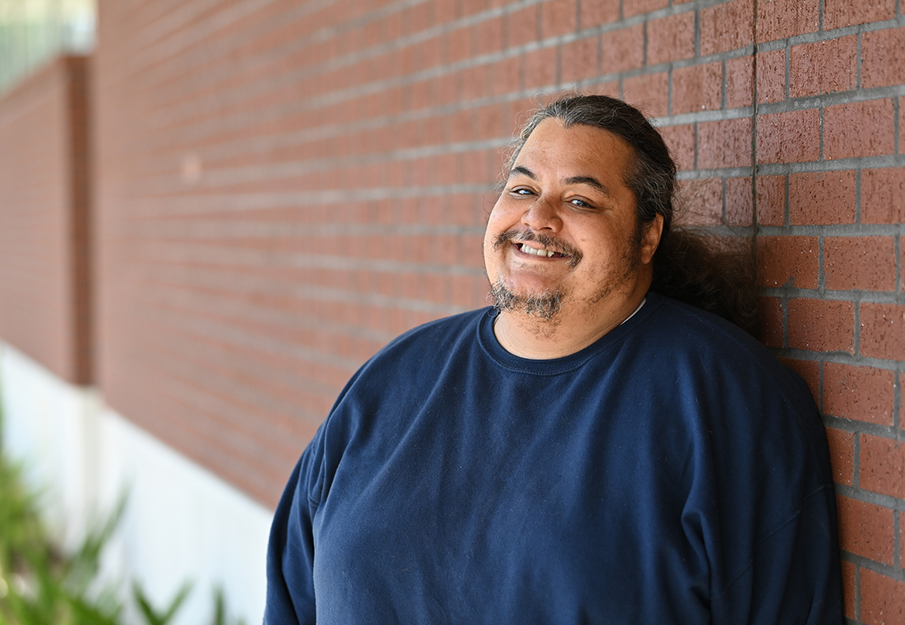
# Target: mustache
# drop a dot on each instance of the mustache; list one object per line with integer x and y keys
{"x": 549, "y": 242}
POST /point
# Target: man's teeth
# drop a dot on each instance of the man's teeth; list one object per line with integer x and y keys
{"x": 530, "y": 250}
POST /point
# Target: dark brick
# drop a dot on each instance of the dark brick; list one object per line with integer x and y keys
{"x": 580, "y": 59}
{"x": 858, "y": 393}
{"x": 522, "y": 26}
{"x": 848, "y": 589}
{"x": 638, "y": 7}
{"x": 882, "y": 599}
{"x": 792, "y": 137}
{"x": 883, "y": 331}
{"x": 823, "y": 67}
{"x": 649, "y": 93}
{"x": 681, "y": 142}
{"x": 883, "y": 58}
{"x": 771, "y": 76}
{"x": 506, "y": 75}
{"x": 540, "y": 68}
{"x": 488, "y": 36}
{"x": 739, "y": 202}
{"x": 881, "y": 466}
{"x": 598, "y": 12}
{"x": 841, "y": 13}
{"x": 558, "y": 17}
{"x": 697, "y": 88}
{"x": 739, "y": 82}
{"x": 821, "y": 326}
{"x": 771, "y": 200}
{"x": 859, "y": 129}
{"x": 727, "y": 26}
{"x": 822, "y": 198}
{"x": 788, "y": 261}
{"x": 725, "y": 143}
{"x": 863, "y": 263}
{"x": 778, "y": 19}
{"x": 670, "y": 38}
{"x": 865, "y": 530}
{"x": 883, "y": 195}
{"x": 842, "y": 455}
{"x": 623, "y": 49}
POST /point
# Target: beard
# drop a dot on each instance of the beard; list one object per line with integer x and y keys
{"x": 545, "y": 305}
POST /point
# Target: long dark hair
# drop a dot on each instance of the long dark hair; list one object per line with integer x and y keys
{"x": 689, "y": 265}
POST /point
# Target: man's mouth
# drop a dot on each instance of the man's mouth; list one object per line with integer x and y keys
{"x": 550, "y": 247}
{"x": 527, "y": 249}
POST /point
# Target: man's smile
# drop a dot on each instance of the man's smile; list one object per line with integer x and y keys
{"x": 540, "y": 246}
{"x": 538, "y": 251}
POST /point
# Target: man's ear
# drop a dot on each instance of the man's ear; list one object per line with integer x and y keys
{"x": 650, "y": 239}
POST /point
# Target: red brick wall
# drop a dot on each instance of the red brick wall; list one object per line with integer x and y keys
{"x": 44, "y": 261}
{"x": 283, "y": 189}
{"x": 829, "y": 193}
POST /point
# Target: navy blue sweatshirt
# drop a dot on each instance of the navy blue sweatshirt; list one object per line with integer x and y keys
{"x": 672, "y": 472}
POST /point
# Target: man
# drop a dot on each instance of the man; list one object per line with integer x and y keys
{"x": 587, "y": 450}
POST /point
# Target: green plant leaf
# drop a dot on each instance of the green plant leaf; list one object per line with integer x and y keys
{"x": 150, "y": 614}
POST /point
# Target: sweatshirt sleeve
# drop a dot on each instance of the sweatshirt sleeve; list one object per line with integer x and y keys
{"x": 290, "y": 553}
{"x": 794, "y": 576}
{"x": 290, "y": 598}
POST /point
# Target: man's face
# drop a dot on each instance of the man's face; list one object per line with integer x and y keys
{"x": 564, "y": 230}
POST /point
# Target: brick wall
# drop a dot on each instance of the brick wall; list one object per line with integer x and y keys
{"x": 829, "y": 193}
{"x": 284, "y": 186}
{"x": 44, "y": 228}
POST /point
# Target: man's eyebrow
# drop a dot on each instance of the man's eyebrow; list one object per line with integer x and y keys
{"x": 522, "y": 170}
{"x": 591, "y": 182}
{"x": 588, "y": 180}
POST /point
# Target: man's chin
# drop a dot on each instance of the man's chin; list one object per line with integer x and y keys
{"x": 543, "y": 305}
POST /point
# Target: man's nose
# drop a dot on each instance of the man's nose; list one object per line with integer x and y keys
{"x": 542, "y": 215}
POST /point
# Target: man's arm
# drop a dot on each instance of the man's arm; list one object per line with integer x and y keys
{"x": 794, "y": 576}
{"x": 290, "y": 553}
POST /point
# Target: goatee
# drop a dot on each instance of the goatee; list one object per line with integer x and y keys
{"x": 544, "y": 305}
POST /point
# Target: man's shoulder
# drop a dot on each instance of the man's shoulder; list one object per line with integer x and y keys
{"x": 709, "y": 341}
{"x": 431, "y": 342}
{"x": 684, "y": 324}
{"x": 443, "y": 330}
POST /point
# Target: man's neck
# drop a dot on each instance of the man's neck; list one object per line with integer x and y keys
{"x": 535, "y": 338}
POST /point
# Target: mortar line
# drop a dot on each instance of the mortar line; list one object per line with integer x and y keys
{"x": 754, "y": 164}
{"x": 787, "y": 72}
{"x": 856, "y": 460}
{"x": 820, "y": 368}
{"x": 896, "y": 125}
{"x": 896, "y": 540}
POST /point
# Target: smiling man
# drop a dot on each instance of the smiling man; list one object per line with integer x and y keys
{"x": 587, "y": 450}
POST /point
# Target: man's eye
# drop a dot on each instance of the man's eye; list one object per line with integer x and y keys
{"x": 522, "y": 191}
{"x": 579, "y": 203}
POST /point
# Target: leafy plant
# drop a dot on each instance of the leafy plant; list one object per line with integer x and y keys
{"x": 220, "y": 608}
{"x": 42, "y": 585}
{"x": 150, "y": 614}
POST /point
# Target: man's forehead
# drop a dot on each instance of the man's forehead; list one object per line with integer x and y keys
{"x": 578, "y": 153}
